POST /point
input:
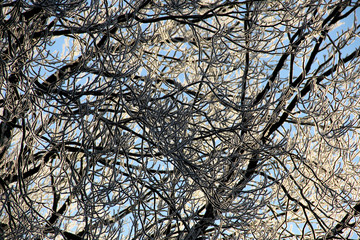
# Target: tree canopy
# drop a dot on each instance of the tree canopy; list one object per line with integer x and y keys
{"x": 202, "y": 119}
